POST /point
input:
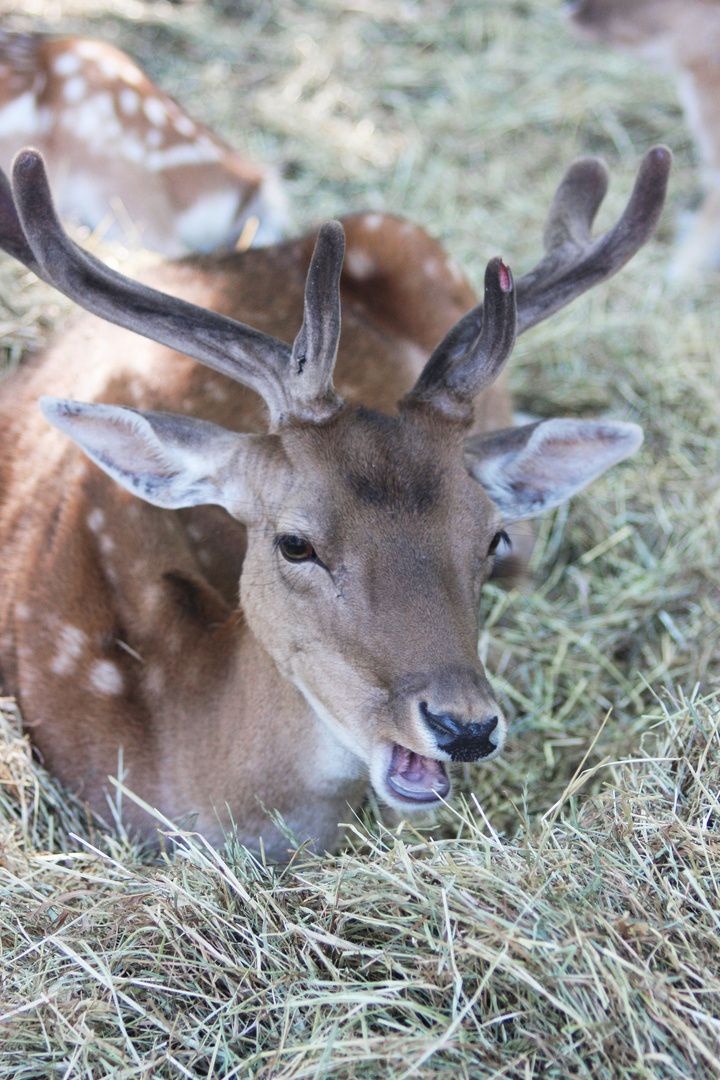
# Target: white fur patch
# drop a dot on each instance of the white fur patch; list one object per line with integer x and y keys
{"x": 71, "y": 642}
{"x": 130, "y": 74}
{"x": 154, "y": 138}
{"x": 90, "y": 50}
{"x": 108, "y": 67}
{"x": 205, "y": 224}
{"x": 372, "y": 221}
{"x": 95, "y": 520}
{"x": 129, "y": 101}
{"x": 184, "y": 126}
{"x": 106, "y": 677}
{"x": 67, "y": 63}
{"x": 75, "y": 89}
{"x": 359, "y": 264}
{"x": 155, "y": 111}
{"x": 19, "y": 116}
{"x": 195, "y": 153}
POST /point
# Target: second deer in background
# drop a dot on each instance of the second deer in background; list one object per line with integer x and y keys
{"x": 684, "y": 36}
{"x": 123, "y": 154}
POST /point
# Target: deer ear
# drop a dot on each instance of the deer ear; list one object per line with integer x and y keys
{"x": 531, "y": 469}
{"x": 170, "y": 461}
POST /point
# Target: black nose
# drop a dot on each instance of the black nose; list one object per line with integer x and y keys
{"x": 462, "y": 741}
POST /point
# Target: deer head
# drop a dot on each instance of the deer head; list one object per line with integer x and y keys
{"x": 369, "y": 536}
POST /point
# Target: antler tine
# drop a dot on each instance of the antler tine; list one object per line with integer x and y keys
{"x": 232, "y": 348}
{"x": 12, "y": 237}
{"x": 573, "y": 262}
{"x": 315, "y": 348}
{"x": 472, "y": 354}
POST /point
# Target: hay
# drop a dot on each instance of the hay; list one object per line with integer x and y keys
{"x": 560, "y": 918}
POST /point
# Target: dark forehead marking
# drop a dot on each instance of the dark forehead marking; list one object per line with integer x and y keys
{"x": 385, "y": 467}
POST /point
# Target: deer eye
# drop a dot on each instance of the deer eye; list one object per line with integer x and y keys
{"x": 296, "y": 548}
{"x": 501, "y": 535}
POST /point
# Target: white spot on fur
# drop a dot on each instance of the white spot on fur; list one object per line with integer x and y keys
{"x": 359, "y": 264}
{"x": 20, "y": 116}
{"x": 152, "y": 596}
{"x": 130, "y": 74}
{"x": 75, "y": 89}
{"x": 67, "y": 63}
{"x": 155, "y": 111}
{"x": 95, "y": 121}
{"x": 431, "y": 268}
{"x": 106, "y": 677}
{"x": 96, "y": 520}
{"x": 155, "y": 679}
{"x": 135, "y": 388}
{"x": 22, "y": 611}
{"x": 129, "y": 101}
{"x": 107, "y": 544}
{"x": 154, "y": 138}
{"x": 108, "y": 66}
{"x": 215, "y": 391}
{"x": 372, "y": 221}
{"x": 205, "y": 224}
{"x": 131, "y": 148}
{"x": 184, "y": 126}
{"x": 195, "y": 153}
{"x": 71, "y": 642}
{"x": 90, "y": 50}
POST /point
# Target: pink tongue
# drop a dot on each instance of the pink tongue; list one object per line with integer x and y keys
{"x": 417, "y": 773}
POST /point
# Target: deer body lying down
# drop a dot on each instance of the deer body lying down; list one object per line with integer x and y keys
{"x": 361, "y": 534}
{"x": 124, "y": 156}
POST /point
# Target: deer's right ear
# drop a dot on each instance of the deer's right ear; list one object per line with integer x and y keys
{"x": 170, "y": 461}
{"x": 528, "y": 470}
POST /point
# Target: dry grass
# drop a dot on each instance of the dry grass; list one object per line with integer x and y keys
{"x": 562, "y": 920}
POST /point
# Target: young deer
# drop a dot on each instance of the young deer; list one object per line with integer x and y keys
{"x": 364, "y": 533}
{"x": 683, "y": 35}
{"x": 117, "y": 147}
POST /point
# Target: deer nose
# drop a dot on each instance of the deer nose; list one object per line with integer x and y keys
{"x": 463, "y": 741}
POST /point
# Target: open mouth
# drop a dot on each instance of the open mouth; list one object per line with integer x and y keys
{"x": 414, "y": 778}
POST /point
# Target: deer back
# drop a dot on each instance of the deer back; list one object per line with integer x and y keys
{"x": 123, "y": 156}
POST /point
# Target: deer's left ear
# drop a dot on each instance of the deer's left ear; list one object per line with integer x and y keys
{"x": 531, "y": 469}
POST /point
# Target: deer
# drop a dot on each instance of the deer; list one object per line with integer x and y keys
{"x": 684, "y": 37}
{"x": 245, "y": 555}
{"x": 123, "y": 157}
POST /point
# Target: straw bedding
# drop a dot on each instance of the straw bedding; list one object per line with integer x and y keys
{"x": 561, "y": 917}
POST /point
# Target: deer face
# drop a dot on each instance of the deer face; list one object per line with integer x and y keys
{"x": 362, "y": 581}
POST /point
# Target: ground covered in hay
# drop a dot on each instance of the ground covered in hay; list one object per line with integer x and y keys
{"x": 562, "y": 917}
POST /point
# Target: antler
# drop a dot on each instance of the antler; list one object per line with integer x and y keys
{"x": 573, "y": 263}
{"x": 293, "y": 383}
{"x": 472, "y": 354}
